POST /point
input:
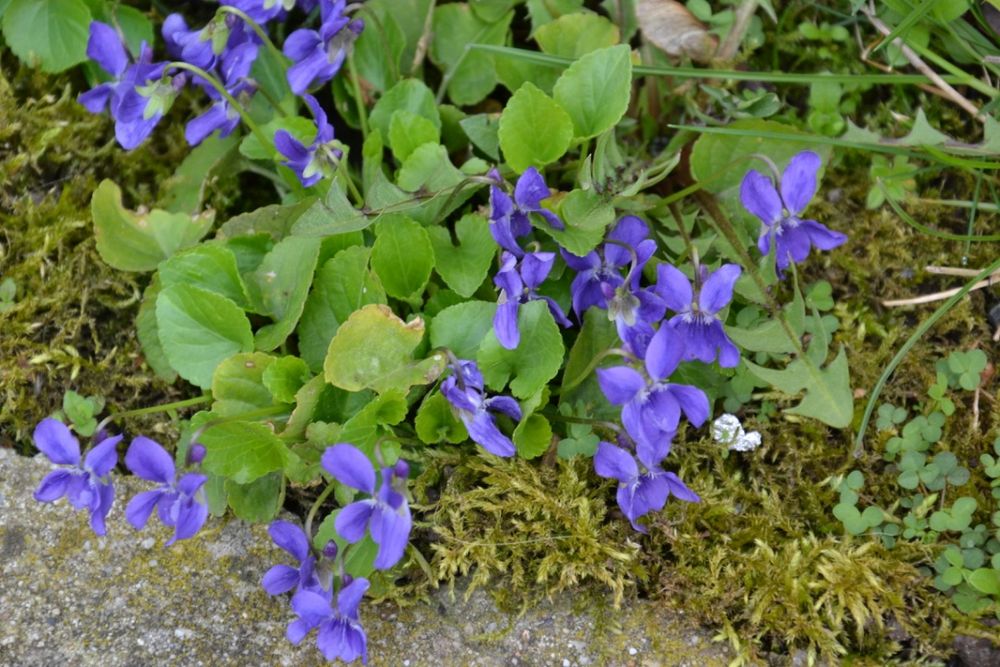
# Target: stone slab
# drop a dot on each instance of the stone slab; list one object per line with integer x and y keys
{"x": 70, "y": 598}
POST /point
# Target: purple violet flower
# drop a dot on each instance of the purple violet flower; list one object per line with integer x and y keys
{"x": 340, "y": 633}
{"x": 696, "y": 323}
{"x": 639, "y": 493}
{"x": 474, "y": 409}
{"x": 782, "y": 227}
{"x": 517, "y": 282}
{"x": 599, "y": 270}
{"x": 318, "y": 55}
{"x": 509, "y": 218}
{"x": 386, "y": 514}
{"x": 221, "y": 116}
{"x": 283, "y": 578}
{"x": 178, "y": 502}
{"x": 652, "y": 408}
{"x": 309, "y": 162}
{"x": 207, "y": 46}
{"x": 135, "y": 113}
{"x": 86, "y": 485}
{"x": 261, "y": 11}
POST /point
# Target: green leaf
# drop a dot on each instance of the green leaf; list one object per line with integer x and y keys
{"x": 985, "y": 580}
{"x": 464, "y": 267}
{"x": 402, "y": 256}
{"x": 827, "y": 397}
{"x": 129, "y": 241}
{"x": 462, "y": 327}
{"x": 492, "y": 10}
{"x": 471, "y": 74}
{"x": 46, "y": 33}
{"x": 532, "y": 437}
{"x": 575, "y": 35}
{"x": 212, "y": 267}
{"x": 534, "y": 130}
{"x": 436, "y": 422}
{"x": 364, "y": 428}
{"x": 595, "y": 90}
{"x": 407, "y": 131}
{"x": 379, "y": 49}
{"x": 851, "y": 518}
{"x": 374, "y": 349}
{"x": 198, "y": 330}
{"x": 515, "y": 72}
{"x": 482, "y": 131}
{"x": 535, "y": 361}
{"x": 544, "y": 11}
{"x": 768, "y": 336}
{"x": 135, "y": 26}
{"x": 81, "y": 411}
{"x": 238, "y": 385}
{"x": 586, "y": 215}
{"x": 184, "y": 191}
{"x": 964, "y": 506}
{"x": 148, "y": 333}
{"x": 428, "y": 167}
{"x": 275, "y": 220}
{"x": 256, "y": 501}
{"x": 414, "y": 96}
{"x": 283, "y": 280}
{"x": 242, "y": 451}
{"x": 719, "y": 162}
{"x": 584, "y": 445}
{"x": 285, "y": 377}
{"x": 333, "y": 215}
{"x": 872, "y": 516}
{"x": 597, "y": 335}
{"x": 344, "y": 284}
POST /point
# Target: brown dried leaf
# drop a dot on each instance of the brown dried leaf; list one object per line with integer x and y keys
{"x": 672, "y": 28}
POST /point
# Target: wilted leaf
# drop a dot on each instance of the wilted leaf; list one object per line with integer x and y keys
{"x": 672, "y": 28}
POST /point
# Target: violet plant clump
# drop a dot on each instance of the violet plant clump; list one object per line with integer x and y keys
{"x": 367, "y": 315}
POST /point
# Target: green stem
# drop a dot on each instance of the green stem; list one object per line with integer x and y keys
{"x": 247, "y": 120}
{"x": 228, "y": 9}
{"x": 315, "y": 508}
{"x": 165, "y": 407}
{"x": 358, "y": 96}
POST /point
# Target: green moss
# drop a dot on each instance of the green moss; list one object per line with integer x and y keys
{"x": 71, "y": 326}
{"x": 540, "y": 529}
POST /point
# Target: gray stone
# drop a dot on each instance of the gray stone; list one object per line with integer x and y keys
{"x": 68, "y": 597}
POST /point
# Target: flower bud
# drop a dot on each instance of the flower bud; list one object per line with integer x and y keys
{"x": 401, "y": 469}
{"x": 196, "y": 453}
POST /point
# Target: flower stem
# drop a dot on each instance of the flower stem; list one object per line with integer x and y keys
{"x": 212, "y": 81}
{"x": 359, "y": 99}
{"x": 165, "y": 407}
{"x": 229, "y": 9}
{"x": 315, "y": 508}
{"x": 725, "y": 227}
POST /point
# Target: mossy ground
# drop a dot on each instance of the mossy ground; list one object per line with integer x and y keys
{"x": 762, "y": 557}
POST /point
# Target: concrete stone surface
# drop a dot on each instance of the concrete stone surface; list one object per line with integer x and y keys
{"x": 70, "y": 598}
